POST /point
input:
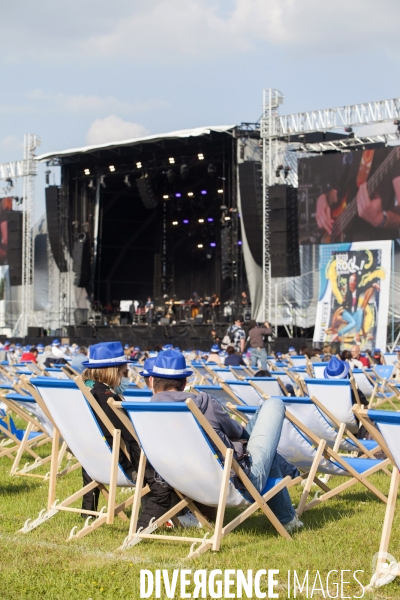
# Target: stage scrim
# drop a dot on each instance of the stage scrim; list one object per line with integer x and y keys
{"x": 354, "y": 294}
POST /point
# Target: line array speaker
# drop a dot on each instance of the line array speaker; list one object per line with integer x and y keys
{"x": 146, "y": 192}
{"x": 81, "y": 261}
{"x": 250, "y": 185}
{"x": 14, "y": 249}
{"x": 284, "y": 233}
{"x": 54, "y": 226}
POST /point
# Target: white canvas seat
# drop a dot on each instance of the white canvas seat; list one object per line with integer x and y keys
{"x": 267, "y": 385}
{"x": 244, "y": 392}
{"x": 319, "y": 368}
{"x": 221, "y": 374}
{"x": 216, "y": 391}
{"x": 391, "y": 358}
{"x": 363, "y": 382}
{"x": 335, "y": 395}
{"x": 189, "y": 464}
{"x": 311, "y": 454}
{"x": 73, "y": 410}
{"x": 299, "y": 361}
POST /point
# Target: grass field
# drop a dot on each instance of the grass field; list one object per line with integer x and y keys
{"x": 343, "y": 533}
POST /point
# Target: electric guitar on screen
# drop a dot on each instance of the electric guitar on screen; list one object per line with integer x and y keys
{"x": 345, "y": 213}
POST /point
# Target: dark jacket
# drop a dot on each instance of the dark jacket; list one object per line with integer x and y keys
{"x": 230, "y": 432}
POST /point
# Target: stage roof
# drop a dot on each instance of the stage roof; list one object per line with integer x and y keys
{"x": 182, "y": 133}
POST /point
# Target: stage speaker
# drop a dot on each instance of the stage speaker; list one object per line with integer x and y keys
{"x": 14, "y": 250}
{"x": 164, "y": 321}
{"x": 198, "y": 319}
{"x": 55, "y": 226}
{"x": 284, "y": 231}
{"x": 35, "y": 331}
{"x": 250, "y": 186}
{"x": 81, "y": 316}
{"x": 81, "y": 261}
{"x": 146, "y": 192}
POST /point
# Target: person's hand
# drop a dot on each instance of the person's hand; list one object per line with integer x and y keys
{"x": 323, "y": 214}
{"x": 369, "y": 210}
{"x": 376, "y": 286}
{"x": 267, "y": 324}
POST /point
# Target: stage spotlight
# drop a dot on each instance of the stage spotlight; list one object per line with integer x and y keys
{"x": 200, "y": 156}
{"x": 47, "y": 173}
{"x": 286, "y": 171}
{"x": 185, "y": 221}
{"x": 210, "y": 219}
{"x": 9, "y": 182}
{"x": 213, "y": 245}
{"x": 201, "y": 220}
{"x": 348, "y": 129}
{"x": 190, "y": 194}
{"x": 239, "y": 243}
{"x": 203, "y": 192}
{"x": 139, "y": 165}
{"x": 200, "y": 245}
{"x": 171, "y": 175}
{"x": 91, "y": 184}
{"x": 165, "y": 197}
{"x": 171, "y": 161}
{"x": 178, "y": 195}
{"x": 112, "y": 168}
{"x": 220, "y": 191}
{"x": 184, "y": 171}
{"x": 227, "y": 218}
{"x": 102, "y": 181}
{"x": 126, "y": 181}
{"x": 175, "y": 222}
{"x": 211, "y": 170}
{"x": 87, "y": 171}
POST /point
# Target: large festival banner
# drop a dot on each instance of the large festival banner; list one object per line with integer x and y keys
{"x": 353, "y": 301}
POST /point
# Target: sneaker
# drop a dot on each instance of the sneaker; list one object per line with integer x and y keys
{"x": 294, "y": 524}
{"x": 189, "y": 520}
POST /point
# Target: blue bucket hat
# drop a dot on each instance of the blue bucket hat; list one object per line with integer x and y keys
{"x": 40, "y": 346}
{"x": 136, "y": 349}
{"x": 395, "y": 349}
{"x": 55, "y": 343}
{"x": 106, "y": 354}
{"x": 148, "y": 365}
{"x": 170, "y": 364}
{"x": 215, "y": 348}
{"x": 168, "y": 347}
{"x": 336, "y": 369}
{"x": 292, "y": 349}
{"x": 126, "y": 347}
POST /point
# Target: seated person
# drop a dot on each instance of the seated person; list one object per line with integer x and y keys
{"x": 254, "y": 446}
{"x": 78, "y": 359}
{"x": 214, "y": 357}
{"x": 266, "y": 373}
{"x": 30, "y": 354}
{"x": 233, "y": 360}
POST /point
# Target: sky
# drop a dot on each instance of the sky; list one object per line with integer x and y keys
{"x": 93, "y": 71}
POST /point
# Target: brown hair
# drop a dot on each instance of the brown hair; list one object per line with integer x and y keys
{"x": 108, "y": 375}
{"x": 160, "y": 384}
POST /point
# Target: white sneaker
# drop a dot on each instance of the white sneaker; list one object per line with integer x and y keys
{"x": 294, "y": 524}
{"x": 189, "y": 520}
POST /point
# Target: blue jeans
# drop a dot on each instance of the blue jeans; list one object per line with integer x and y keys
{"x": 260, "y": 355}
{"x": 353, "y": 320}
{"x": 265, "y": 431}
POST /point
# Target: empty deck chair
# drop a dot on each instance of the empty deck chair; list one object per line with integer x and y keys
{"x": 385, "y": 427}
{"x": 312, "y": 455}
{"x": 391, "y": 358}
{"x": 190, "y": 465}
{"x": 202, "y": 375}
{"x": 335, "y": 395}
{"x": 216, "y": 391}
{"x": 268, "y": 386}
{"x": 319, "y": 368}
{"x": 220, "y": 375}
{"x": 243, "y": 392}
{"x": 73, "y": 411}
{"x": 299, "y": 361}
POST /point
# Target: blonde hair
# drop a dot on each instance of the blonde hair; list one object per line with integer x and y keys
{"x": 108, "y": 375}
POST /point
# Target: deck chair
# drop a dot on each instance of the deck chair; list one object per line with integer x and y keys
{"x": 335, "y": 395}
{"x": 311, "y": 455}
{"x": 364, "y": 383}
{"x": 390, "y": 358}
{"x": 203, "y": 376}
{"x": 319, "y": 368}
{"x": 73, "y": 409}
{"x": 216, "y": 391}
{"x": 299, "y": 361}
{"x": 384, "y": 426}
{"x": 189, "y": 464}
{"x": 242, "y": 392}
{"x": 140, "y": 395}
{"x": 220, "y": 375}
{"x": 268, "y": 386}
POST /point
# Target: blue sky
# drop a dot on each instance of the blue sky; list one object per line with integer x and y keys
{"x": 94, "y": 71}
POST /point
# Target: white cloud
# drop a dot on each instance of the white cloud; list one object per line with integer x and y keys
{"x": 114, "y": 129}
{"x": 79, "y": 103}
{"x": 12, "y": 143}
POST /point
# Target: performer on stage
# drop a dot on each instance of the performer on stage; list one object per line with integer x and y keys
{"x": 149, "y": 310}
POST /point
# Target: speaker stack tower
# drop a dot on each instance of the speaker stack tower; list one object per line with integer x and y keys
{"x": 284, "y": 231}
{"x": 14, "y": 250}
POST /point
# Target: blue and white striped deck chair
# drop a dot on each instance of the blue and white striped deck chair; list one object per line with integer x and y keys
{"x": 216, "y": 391}
{"x": 335, "y": 395}
{"x": 189, "y": 464}
{"x": 384, "y": 426}
{"x": 138, "y": 395}
{"x": 383, "y": 371}
{"x": 311, "y": 455}
{"x": 243, "y": 392}
{"x": 73, "y": 411}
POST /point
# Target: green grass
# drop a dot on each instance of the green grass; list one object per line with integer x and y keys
{"x": 342, "y": 533}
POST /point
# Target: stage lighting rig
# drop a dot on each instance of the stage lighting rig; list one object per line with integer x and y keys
{"x": 126, "y": 181}
{"x": 201, "y": 220}
{"x": 190, "y": 194}
{"x": 171, "y": 160}
{"x": 203, "y": 192}
{"x": 278, "y": 170}
{"x": 286, "y": 171}
{"x": 174, "y": 222}
{"x": 200, "y": 245}
{"x": 200, "y": 156}
{"x": 139, "y": 165}
{"x": 112, "y": 168}
{"x": 87, "y": 171}
{"x": 47, "y": 173}
{"x": 165, "y": 197}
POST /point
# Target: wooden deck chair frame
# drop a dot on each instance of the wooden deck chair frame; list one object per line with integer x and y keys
{"x": 112, "y": 510}
{"x": 300, "y": 387}
{"x": 362, "y": 414}
{"x": 330, "y": 454}
{"x": 199, "y": 378}
{"x": 263, "y": 394}
{"x": 220, "y": 531}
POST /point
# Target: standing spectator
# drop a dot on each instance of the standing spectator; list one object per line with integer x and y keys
{"x": 235, "y": 336}
{"x": 233, "y": 360}
{"x": 256, "y": 341}
{"x": 78, "y": 359}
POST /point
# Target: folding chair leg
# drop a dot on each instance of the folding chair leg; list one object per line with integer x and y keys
{"x": 222, "y": 500}
{"x": 310, "y": 478}
{"x": 53, "y": 469}
{"x": 389, "y": 515}
{"x": 136, "y": 502}
{"x": 21, "y": 448}
{"x": 336, "y": 446}
{"x": 113, "y": 476}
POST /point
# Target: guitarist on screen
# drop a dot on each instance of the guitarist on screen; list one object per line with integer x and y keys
{"x": 355, "y": 175}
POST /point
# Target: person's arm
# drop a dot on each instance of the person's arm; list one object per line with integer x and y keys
{"x": 323, "y": 214}
{"x": 231, "y": 428}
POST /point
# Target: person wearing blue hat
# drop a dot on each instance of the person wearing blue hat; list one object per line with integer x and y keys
{"x": 377, "y": 356}
{"x": 214, "y": 357}
{"x": 103, "y": 371}
{"x": 255, "y": 447}
{"x": 148, "y": 365}
{"x": 339, "y": 369}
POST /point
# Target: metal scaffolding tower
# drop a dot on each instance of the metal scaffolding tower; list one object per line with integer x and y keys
{"x": 279, "y": 149}
{"x": 27, "y": 169}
